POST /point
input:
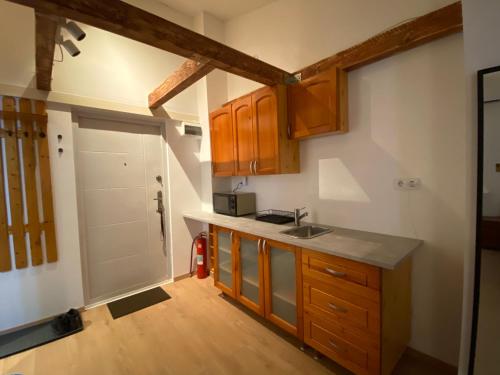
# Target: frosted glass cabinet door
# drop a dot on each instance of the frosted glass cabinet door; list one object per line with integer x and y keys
{"x": 224, "y": 260}
{"x": 250, "y": 275}
{"x": 281, "y": 277}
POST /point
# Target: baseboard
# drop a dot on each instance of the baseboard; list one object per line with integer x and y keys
{"x": 182, "y": 277}
{"x": 443, "y": 367}
{"x": 36, "y": 322}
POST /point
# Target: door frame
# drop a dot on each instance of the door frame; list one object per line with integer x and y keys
{"x": 133, "y": 119}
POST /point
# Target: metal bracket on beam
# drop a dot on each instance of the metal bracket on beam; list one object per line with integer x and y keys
{"x": 291, "y": 80}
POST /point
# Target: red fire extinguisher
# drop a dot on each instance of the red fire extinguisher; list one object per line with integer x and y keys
{"x": 201, "y": 256}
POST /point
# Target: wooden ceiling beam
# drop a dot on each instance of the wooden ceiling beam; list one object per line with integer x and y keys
{"x": 423, "y": 29}
{"x": 45, "y": 41}
{"x": 131, "y": 22}
{"x": 187, "y": 74}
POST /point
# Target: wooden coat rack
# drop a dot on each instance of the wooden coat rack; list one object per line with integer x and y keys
{"x": 26, "y": 150}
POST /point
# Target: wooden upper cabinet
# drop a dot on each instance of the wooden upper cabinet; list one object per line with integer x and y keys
{"x": 243, "y": 135}
{"x": 266, "y": 132}
{"x": 318, "y": 105}
{"x": 260, "y": 135}
{"x": 222, "y": 143}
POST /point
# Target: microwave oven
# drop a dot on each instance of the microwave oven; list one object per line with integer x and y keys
{"x": 234, "y": 204}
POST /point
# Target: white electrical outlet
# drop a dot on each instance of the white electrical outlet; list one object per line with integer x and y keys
{"x": 413, "y": 183}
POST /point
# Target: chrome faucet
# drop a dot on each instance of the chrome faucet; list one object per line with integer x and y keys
{"x": 297, "y": 216}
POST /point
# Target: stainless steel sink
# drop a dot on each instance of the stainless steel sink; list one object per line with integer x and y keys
{"x": 307, "y": 231}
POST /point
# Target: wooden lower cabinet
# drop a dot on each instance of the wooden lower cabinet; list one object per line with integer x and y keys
{"x": 356, "y": 314}
{"x": 265, "y": 277}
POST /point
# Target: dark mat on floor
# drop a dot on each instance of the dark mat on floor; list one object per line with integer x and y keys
{"x": 137, "y": 302}
{"x": 31, "y": 337}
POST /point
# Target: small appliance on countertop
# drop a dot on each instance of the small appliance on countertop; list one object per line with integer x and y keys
{"x": 275, "y": 216}
{"x": 234, "y": 203}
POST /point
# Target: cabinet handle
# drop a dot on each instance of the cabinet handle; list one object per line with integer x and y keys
{"x": 231, "y": 237}
{"x": 335, "y": 346}
{"x": 255, "y": 167}
{"x": 264, "y": 246}
{"x": 258, "y": 246}
{"x": 335, "y": 273}
{"x": 289, "y": 131}
{"x": 337, "y": 308}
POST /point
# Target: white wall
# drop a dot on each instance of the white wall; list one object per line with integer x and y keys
{"x": 35, "y": 293}
{"x": 481, "y": 34}
{"x": 110, "y": 67}
{"x": 407, "y": 120}
{"x": 113, "y": 73}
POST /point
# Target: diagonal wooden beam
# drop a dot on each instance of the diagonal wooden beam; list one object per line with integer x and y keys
{"x": 431, "y": 26}
{"x": 45, "y": 41}
{"x": 187, "y": 74}
{"x": 126, "y": 20}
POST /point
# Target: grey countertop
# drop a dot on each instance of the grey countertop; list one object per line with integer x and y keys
{"x": 380, "y": 250}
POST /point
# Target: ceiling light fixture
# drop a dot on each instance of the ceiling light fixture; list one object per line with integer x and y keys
{"x": 70, "y": 47}
{"x": 75, "y": 30}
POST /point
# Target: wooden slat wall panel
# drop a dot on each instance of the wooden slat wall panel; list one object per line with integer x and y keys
{"x": 46, "y": 185}
{"x": 5, "y": 259}
{"x": 29, "y": 164}
{"x": 14, "y": 181}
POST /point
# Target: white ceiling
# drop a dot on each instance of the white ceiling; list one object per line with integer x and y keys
{"x": 222, "y": 9}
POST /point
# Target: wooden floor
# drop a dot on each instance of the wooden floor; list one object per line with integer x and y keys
{"x": 195, "y": 332}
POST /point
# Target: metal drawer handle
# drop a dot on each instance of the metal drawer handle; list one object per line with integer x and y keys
{"x": 336, "y": 347}
{"x": 337, "y": 308}
{"x": 335, "y": 273}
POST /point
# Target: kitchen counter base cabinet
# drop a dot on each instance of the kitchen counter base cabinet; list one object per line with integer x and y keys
{"x": 224, "y": 276}
{"x": 356, "y": 314}
{"x": 265, "y": 277}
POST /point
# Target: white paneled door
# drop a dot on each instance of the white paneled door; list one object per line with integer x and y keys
{"x": 119, "y": 166}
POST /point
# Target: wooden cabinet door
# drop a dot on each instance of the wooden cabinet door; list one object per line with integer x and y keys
{"x": 249, "y": 271}
{"x": 315, "y": 106}
{"x": 224, "y": 267}
{"x": 283, "y": 286}
{"x": 222, "y": 142}
{"x": 265, "y": 131}
{"x": 243, "y": 135}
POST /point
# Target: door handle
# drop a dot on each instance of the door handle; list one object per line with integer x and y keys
{"x": 335, "y": 273}
{"x": 337, "y": 308}
{"x": 161, "y": 211}
{"x": 335, "y": 346}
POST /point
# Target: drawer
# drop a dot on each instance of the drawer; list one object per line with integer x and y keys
{"x": 319, "y": 334}
{"x": 332, "y": 269}
{"x": 342, "y": 307}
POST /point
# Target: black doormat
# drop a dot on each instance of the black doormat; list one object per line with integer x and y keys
{"x": 137, "y": 302}
{"x": 31, "y": 337}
